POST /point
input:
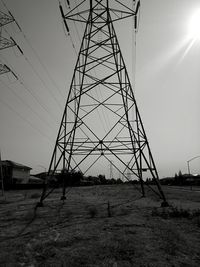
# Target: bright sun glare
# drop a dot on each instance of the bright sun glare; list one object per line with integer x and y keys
{"x": 193, "y": 33}
{"x": 194, "y": 26}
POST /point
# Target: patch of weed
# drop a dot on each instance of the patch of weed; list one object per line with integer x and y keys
{"x": 4, "y": 201}
{"x": 35, "y": 195}
{"x": 93, "y": 212}
{"x": 175, "y": 212}
{"x": 124, "y": 211}
{"x": 29, "y": 216}
{"x": 198, "y": 221}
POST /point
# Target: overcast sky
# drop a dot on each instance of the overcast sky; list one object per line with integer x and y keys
{"x": 167, "y": 76}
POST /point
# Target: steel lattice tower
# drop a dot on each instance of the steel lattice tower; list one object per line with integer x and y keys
{"x": 5, "y": 42}
{"x": 101, "y": 87}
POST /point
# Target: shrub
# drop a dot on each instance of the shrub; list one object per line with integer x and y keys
{"x": 35, "y": 195}
{"x": 175, "y": 212}
{"x": 179, "y": 213}
{"x": 92, "y": 212}
{"x": 198, "y": 222}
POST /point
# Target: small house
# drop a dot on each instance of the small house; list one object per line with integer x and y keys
{"x": 14, "y": 173}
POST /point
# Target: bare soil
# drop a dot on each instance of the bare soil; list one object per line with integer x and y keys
{"x": 87, "y": 231}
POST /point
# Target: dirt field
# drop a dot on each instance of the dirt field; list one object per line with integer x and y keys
{"x": 84, "y": 232}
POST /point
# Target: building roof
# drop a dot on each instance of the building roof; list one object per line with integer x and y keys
{"x": 14, "y": 164}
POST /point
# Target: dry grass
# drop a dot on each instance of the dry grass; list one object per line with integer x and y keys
{"x": 92, "y": 212}
{"x": 80, "y": 232}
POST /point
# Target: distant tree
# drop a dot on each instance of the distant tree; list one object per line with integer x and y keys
{"x": 178, "y": 179}
{"x": 180, "y": 173}
{"x": 119, "y": 181}
{"x": 71, "y": 178}
{"x": 102, "y": 179}
{"x": 149, "y": 181}
{"x": 111, "y": 181}
{"x": 76, "y": 178}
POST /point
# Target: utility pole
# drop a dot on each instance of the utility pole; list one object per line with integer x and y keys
{"x": 1, "y": 176}
{"x": 100, "y": 69}
{"x": 111, "y": 170}
{"x": 188, "y": 166}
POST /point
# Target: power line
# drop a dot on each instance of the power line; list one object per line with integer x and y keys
{"x": 36, "y": 54}
{"x": 26, "y": 104}
{"x": 36, "y": 98}
{"x": 4, "y": 5}
{"x": 30, "y": 92}
{"x": 42, "y": 64}
{"x": 38, "y": 75}
{"x": 5, "y": 42}
{"x": 24, "y": 119}
{"x": 42, "y": 80}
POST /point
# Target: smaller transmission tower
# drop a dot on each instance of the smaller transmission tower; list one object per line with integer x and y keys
{"x": 5, "y": 42}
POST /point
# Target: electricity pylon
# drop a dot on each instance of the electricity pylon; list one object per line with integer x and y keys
{"x": 101, "y": 88}
{"x": 5, "y": 42}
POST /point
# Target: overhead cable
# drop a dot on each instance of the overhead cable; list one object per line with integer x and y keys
{"x": 26, "y": 104}
{"x": 36, "y": 72}
{"x": 36, "y": 54}
{"x": 24, "y": 119}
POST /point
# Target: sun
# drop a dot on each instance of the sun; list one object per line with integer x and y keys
{"x": 194, "y": 26}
